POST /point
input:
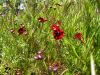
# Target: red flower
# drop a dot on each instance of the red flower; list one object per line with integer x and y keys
{"x": 54, "y": 27}
{"x": 42, "y": 20}
{"x": 78, "y": 36}
{"x": 22, "y": 30}
{"x": 58, "y": 34}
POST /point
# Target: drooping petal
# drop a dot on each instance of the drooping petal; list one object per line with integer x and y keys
{"x": 59, "y": 22}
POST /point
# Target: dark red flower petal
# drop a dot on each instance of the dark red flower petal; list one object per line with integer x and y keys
{"x": 40, "y": 19}
{"x": 78, "y": 36}
{"x": 54, "y": 27}
{"x": 21, "y": 30}
{"x": 58, "y": 34}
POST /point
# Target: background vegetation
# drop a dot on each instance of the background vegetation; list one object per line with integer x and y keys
{"x": 72, "y": 56}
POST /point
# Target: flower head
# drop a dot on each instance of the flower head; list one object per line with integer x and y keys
{"x": 42, "y": 20}
{"x": 54, "y": 67}
{"x": 22, "y": 30}
{"x": 78, "y": 36}
{"x": 39, "y": 55}
{"x": 58, "y": 34}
